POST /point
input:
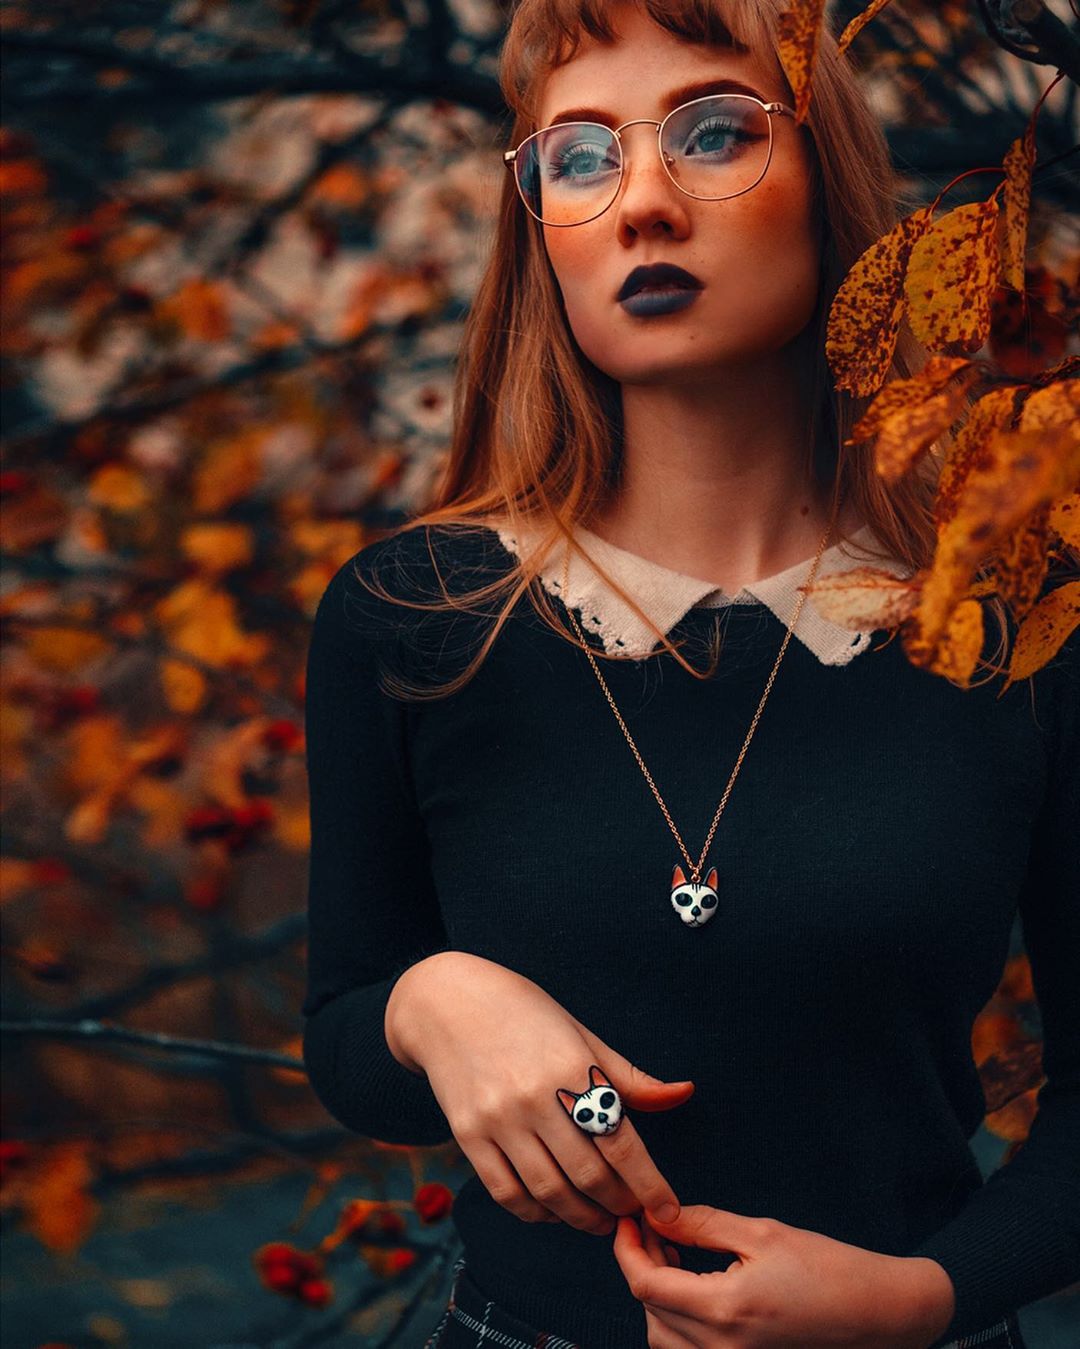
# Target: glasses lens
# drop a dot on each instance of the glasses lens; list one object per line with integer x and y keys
{"x": 717, "y": 147}
{"x": 569, "y": 173}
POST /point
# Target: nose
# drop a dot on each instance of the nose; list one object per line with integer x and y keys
{"x": 649, "y": 204}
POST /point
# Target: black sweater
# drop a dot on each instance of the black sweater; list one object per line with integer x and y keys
{"x": 882, "y": 833}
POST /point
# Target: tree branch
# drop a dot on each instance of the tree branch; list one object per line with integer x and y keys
{"x": 102, "y": 1031}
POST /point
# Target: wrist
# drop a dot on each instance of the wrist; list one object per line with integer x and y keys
{"x": 404, "y": 1019}
{"x": 932, "y": 1296}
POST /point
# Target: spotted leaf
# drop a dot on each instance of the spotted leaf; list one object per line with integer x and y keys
{"x": 1019, "y": 161}
{"x": 799, "y": 31}
{"x": 1043, "y": 632}
{"x": 865, "y": 598}
{"x": 951, "y": 277}
{"x": 864, "y": 318}
{"x": 908, "y": 415}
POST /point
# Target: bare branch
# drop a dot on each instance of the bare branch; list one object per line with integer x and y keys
{"x": 102, "y": 1031}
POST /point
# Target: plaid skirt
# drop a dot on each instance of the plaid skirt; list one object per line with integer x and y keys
{"x": 472, "y": 1321}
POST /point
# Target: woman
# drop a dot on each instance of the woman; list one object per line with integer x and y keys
{"x": 516, "y": 937}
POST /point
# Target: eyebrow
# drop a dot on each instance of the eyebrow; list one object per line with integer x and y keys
{"x": 671, "y": 100}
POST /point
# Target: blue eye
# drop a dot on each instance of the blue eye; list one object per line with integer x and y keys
{"x": 580, "y": 161}
{"x": 713, "y": 137}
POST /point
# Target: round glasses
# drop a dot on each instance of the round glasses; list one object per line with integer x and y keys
{"x": 711, "y": 148}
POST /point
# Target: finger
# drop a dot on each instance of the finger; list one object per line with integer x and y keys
{"x": 546, "y": 1181}
{"x": 586, "y": 1166}
{"x": 627, "y": 1155}
{"x": 502, "y": 1182}
{"x": 699, "y": 1297}
{"x": 653, "y": 1246}
{"x": 666, "y": 1330}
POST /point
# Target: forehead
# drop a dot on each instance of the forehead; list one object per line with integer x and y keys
{"x": 631, "y": 75}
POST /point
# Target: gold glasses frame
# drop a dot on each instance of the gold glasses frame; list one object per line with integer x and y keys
{"x": 510, "y": 157}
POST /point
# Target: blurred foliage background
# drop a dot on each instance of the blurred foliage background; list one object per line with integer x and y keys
{"x": 240, "y": 238}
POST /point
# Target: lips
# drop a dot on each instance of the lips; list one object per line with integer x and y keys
{"x": 660, "y": 276}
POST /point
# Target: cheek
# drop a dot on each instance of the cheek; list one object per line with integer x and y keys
{"x": 577, "y": 260}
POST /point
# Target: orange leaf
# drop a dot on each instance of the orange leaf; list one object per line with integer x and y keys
{"x": 1021, "y": 471}
{"x": 64, "y": 650}
{"x": 857, "y": 24}
{"x": 185, "y": 687}
{"x": 341, "y": 185}
{"x": 200, "y": 310}
{"x": 951, "y": 277}
{"x": 1018, "y": 163}
{"x": 865, "y": 598}
{"x": 994, "y": 410}
{"x": 1043, "y": 632}
{"x": 798, "y": 32}
{"x": 58, "y": 1206}
{"x": 865, "y": 314}
{"x": 1053, "y": 405}
{"x": 961, "y": 644}
{"x": 1065, "y": 519}
{"x": 218, "y": 548}
{"x": 119, "y": 487}
{"x": 1023, "y": 563}
{"x": 908, "y": 415}
{"x": 229, "y": 471}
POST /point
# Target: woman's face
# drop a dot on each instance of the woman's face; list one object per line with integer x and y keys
{"x": 757, "y": 255}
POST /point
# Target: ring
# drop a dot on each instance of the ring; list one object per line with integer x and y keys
{"x": 598, "y": 1109}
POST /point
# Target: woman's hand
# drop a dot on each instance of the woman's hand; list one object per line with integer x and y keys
{"x": 495, "y": 1048}
{"x": 789, "y": 1288}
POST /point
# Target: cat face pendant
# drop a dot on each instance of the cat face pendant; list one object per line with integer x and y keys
{"x": 597, "y": 1110}
{"x": 695, "y": 904}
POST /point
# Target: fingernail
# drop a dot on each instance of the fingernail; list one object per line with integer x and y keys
{"x": 667, "y": 1213}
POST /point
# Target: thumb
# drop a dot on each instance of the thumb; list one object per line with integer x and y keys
{"x": 716, "y": 1229}
{"x": 638, "y": 1089}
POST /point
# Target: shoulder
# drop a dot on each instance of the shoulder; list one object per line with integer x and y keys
{"x": 402, "y": 595}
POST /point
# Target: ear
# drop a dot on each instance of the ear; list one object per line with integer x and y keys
{"x": 597, "y": 1077}
{"x": 710, "y": 879}
{"x": 567, "y": 1099}
{"x": 677, "y": 877}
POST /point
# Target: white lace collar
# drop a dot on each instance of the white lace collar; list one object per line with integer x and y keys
{"x": 666, "y": 595}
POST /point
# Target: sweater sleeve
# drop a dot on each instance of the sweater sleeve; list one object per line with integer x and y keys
{"x": 1018, "y": 1238}
{"x": 372, "y": 907}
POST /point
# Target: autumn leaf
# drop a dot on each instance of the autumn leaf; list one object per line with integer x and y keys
{"x": 960, "y": 647}
{"x": 1022, "y": 471}
{"x": 231, "y": 468}
{"x": 119, "y": 487}
{"x": 185, "y": 687}
{"x": 951, "y": 275}
{"x": 1018, "y": 164}
{"x": 1044, "y": 631}
{"x": 200, "y": 311}
{"x": 865, "y": 598}
{"x": 1023, "y": 561}
{"x": 1064, "y": 519}
{"x": 993, "y": 410}
{"x": 865, "y": 315}
{"x": 342, "y": 185}
{"x": 857, "y": 24}
{"x": 58, "y": 1207}
{"x": 798, "y": 33}
{"x": 218, "y": 548}
{"x": 908, "y": 415}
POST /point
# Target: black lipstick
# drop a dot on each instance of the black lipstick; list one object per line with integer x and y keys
{"x": 659, "y": 289}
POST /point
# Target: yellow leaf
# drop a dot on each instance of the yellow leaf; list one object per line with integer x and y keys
{"x": 1019, "y": 472}
{"x": 855, "y": 27}
{"x": 951, "y": 277}
{"x": 865, "y": 598}
{"x": 798, "y": 32}
{"x": 1065, "y": 519}
{"x": 864, "y": 318}
{"x": 292, "y": 827}
{"x": 119, "y": 487}
{"x": 1054, "y": 405}
{"x": 201, "y": 621}
{"x": 1019, "y": 161}
{"x": 908, "y": 415}
{"x": 335, "y": 540}
{"x": 1043, "y": 632}
{"x": 184, "y": 686}
{"x": 961, "y": 644}
{"x": 217, "y": 548}
{"x": 994, "y": 410}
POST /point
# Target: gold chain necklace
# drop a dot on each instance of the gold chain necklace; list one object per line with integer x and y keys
{"x": 693, "y": 900}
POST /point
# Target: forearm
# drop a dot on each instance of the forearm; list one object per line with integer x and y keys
{"x": 933, "y": 1299}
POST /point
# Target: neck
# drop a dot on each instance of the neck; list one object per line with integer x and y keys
{"x": 716, "y": 479}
